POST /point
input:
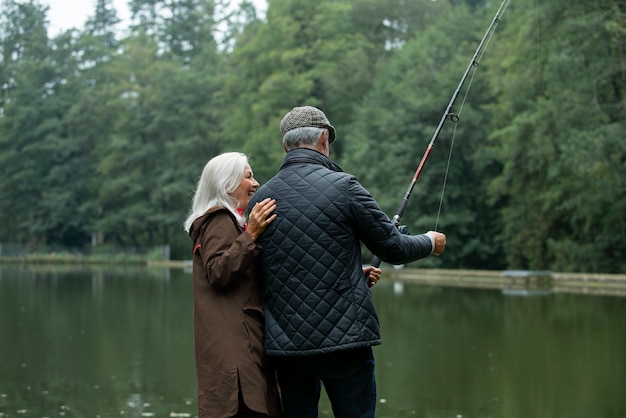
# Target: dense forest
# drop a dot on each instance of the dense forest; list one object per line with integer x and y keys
{"x": 105, "y": 129}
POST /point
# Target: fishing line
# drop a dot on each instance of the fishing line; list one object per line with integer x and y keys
{"x": 455, "y": 117}
{"x": 447, "y": 114}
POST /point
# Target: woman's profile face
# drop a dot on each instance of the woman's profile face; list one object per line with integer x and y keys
{"x": 246, "y": 189}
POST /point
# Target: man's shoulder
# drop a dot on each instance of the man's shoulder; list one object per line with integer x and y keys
{"x": 264, "y": 191}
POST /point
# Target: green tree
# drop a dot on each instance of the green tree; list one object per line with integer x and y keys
{"x": 162, "y": 133}
{"x": 559, "y": 137}
{"x": 398, "y": 119}
{"x": 182, "y": 28}
{"x": 323, "y": 53}
{"x": 36, "y": 207}
{"x": 89, "y": 115}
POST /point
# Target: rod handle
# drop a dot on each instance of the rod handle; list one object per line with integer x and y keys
{"x": 376, "y": 262}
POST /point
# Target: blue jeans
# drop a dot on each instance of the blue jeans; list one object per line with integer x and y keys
{"x": 348, "y": 378}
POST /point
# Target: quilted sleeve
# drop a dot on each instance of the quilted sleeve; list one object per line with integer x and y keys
{"x": 377, "y": 232}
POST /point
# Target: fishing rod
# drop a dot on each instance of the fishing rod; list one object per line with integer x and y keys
{"x": 447, "y": 114}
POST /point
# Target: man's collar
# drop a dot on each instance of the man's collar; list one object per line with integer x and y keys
{"x": 308, "y": 156}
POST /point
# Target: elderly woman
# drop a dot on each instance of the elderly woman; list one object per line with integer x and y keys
{"x": 233, "y": 376}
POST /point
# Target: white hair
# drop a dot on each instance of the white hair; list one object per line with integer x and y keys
{"x": 220, "y": 177}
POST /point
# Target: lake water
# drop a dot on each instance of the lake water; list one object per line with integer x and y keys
{"x": 119, "y": 343}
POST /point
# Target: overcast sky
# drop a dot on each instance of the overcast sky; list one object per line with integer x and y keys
{"x": 66, "y": 14}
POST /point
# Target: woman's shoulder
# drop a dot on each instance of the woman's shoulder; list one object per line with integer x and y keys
{"x": 214, "y": 215}
{"x": 217, "y": 214}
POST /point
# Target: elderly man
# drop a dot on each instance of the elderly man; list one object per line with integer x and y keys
{"x": 320, "y": 322}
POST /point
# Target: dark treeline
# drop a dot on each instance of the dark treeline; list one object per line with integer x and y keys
{"x": 105, "y": 129}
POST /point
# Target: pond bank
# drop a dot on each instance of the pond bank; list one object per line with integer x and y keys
{"x": 516, "y": 280}
{"x": 509, "y": 281}
{"x": 512, "y": 281}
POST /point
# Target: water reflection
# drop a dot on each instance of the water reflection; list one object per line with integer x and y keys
{"x": 87, "y": 342}
{"x": 96, "y": 342}
{"x": 451, "y": 352}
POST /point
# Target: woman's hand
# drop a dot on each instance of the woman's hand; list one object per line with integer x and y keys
{"x": 373, "y": 275}
{"x": 260, "y": 217}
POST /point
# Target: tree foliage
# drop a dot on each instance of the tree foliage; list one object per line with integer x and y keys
{"x": 560, "y": 137}
{"x": 103, "y": 132}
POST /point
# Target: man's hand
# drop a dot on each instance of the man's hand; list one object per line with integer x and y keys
{"x": 440, "y": 241}
{"x": 372, "y": 274}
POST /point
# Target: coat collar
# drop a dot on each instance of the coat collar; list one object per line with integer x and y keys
{"x": 308, "y": 156}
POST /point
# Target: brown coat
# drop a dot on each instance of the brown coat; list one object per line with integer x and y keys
{"x": 228, "y": 319}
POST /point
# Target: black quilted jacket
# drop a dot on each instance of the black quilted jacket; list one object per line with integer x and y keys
{"x": 315, "y": 297}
